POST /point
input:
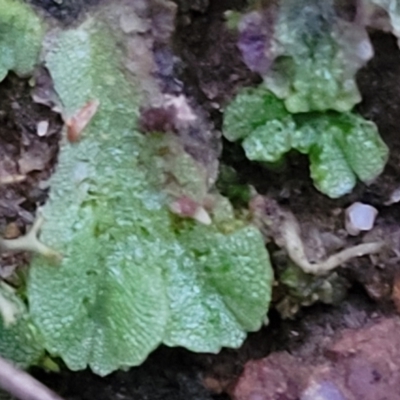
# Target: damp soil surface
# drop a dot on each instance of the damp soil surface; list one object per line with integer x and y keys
{"x": 345, "y": 350}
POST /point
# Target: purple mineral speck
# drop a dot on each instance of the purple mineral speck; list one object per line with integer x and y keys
{"x": 254, "y": 37}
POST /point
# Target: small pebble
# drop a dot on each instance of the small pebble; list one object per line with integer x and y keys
{"x": 41, "y": 128}
{"x": 360, "y": 217}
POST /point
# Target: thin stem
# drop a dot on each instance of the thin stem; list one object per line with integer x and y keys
{"x": 293, "y": 243}
{"x": 22, "y": 385}
{"x": 30, "y": 242}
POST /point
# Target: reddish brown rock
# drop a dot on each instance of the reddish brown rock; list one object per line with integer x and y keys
{"x": 357, "y": 364}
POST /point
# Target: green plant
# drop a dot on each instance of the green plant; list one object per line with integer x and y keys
{"x": 21, "y": 33}
{"x": 341, "y": 146}
{"x": 121, "y": 273}
{"x": 307, "y": 52}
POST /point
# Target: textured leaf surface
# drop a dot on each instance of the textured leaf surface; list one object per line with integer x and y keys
{"x": 269, "y": 142}
{"x": 20, "y": 37}
{"x": 20, "y": 341}
{"x": 328, "y": 167}
{"x": 341, "y": 146}
{"x": 133, "y": 275}
{"x": 102, "y": 305}
{"x": 250, "y": 109}
{"x": 358, "y": 139}
{"x": 217, "y": 292}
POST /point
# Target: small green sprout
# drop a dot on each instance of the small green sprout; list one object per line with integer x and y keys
{"x": 341, "y": 146}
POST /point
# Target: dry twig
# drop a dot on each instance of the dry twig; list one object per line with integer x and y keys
{"x": 22, "y": 385}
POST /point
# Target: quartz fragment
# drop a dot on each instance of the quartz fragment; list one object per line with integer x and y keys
{"x": 360, "y": 217}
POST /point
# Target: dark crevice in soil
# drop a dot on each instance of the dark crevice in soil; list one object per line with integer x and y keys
{"x": 213, "y": 68}
{"x": 379, "y": 84}
{"x": 168, "y": 374}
